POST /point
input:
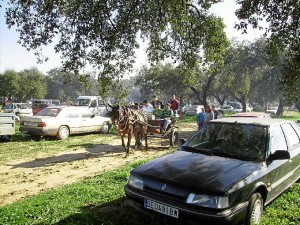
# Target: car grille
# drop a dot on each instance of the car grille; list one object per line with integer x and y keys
{"x": 165, "y": 194}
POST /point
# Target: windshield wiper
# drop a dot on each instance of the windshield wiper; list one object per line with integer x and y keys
{"x": 201, "y": 150}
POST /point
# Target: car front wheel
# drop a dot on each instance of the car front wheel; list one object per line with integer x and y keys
{"x": 105, "y": 128}
{"x": 255, "y": 210}
{"x": 63, "y": 133}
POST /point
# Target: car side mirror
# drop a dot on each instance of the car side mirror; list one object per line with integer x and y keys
{"x": 280, "y": 155}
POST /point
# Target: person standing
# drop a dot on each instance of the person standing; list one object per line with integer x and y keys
{"x": 174, "y": 103}
{"x": 217, "y": 114}
{"x": 156, "y": 103}
{"x": 209, "y": 115}
{"x": 200, "y": 118}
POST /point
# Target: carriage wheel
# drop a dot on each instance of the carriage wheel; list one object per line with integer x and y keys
{"x": 174, "y": 142}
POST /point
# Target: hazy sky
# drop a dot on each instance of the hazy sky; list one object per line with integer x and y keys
{"x": 14, "y": 56}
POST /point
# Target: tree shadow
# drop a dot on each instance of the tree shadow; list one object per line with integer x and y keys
{"x": 92, "y": 151}
{"x": 117, "y": 212}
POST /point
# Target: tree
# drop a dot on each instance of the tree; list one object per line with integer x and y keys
{"x": 9, "y": 84}
{"x": 164, "y": 80}
{"x": 104, "y": 33}
{"x": 65, "y": 84}
{"x": 32, "y": 84}
{"x": 283, "y": 29}
{"x": 245, "y": 65}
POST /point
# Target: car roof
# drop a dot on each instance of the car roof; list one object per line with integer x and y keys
{"x": 250, "y": 120}
{"x": 75, "y": 108}
{"x": 60, "y": 106}
{"x": 253, "y": 114}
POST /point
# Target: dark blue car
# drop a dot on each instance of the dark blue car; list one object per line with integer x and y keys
{"x": 226, "y": 173}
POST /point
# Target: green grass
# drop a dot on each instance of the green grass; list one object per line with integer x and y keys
{"x": 97, "y": 200}
{"x": 101, "y": 200}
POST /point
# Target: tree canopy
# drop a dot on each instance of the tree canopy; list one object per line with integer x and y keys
{"x": 105, "y": 33}
{"x": 282, "y": 29}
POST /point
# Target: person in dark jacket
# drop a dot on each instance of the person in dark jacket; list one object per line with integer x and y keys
{"x": 156, "y": 103}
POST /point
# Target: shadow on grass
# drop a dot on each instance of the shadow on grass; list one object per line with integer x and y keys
{"x": 92, "y": 151}
{"x": 118, "y": 212}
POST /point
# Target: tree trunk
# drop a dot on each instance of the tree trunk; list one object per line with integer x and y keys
{"x": 280, "y": 107}
{"x": 297, "y": 104}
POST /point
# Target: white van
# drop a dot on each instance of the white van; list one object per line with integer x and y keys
{"x": 94, "y": 103}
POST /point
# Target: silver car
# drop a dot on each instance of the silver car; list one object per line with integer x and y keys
{"x": 61, "y": 121}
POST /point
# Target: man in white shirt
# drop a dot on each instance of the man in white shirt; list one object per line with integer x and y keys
{"x": 147, "y": 107}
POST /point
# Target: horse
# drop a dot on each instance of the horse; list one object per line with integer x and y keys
{"x": 129, "y": 121}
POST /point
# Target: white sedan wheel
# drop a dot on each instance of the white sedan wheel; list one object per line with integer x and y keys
{"x": 63, "y": 133}
{"x": 105, "y": 128}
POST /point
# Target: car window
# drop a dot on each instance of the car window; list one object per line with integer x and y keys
{"x": 291, "y": 135}
{"x": 242, "y": 141}
{"x": 296, "y": 128}
{"x": 24, "y": 106}
{"x": 86, "y": 115}
{"x": 94, "y": 103}
{"x": 53, "y": 112}
{"x": 72, "y": 115}
{"x": 277, "y": 139}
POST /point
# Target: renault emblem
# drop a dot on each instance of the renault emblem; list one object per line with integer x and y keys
{"x": 164, "y": 187}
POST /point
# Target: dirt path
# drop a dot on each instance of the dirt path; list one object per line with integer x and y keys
{"x": 20, "y": 179}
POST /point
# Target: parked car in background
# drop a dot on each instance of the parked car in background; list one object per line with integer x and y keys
{"x": 20, "y": 109}
{"x": 61, "y": 121}
{"x": 253, "y": 115}
{"x": 192, "y": 110}
{"x": 272, "y": 110}
{"x": 227, "y": 109}
{"x": 226, "y": 173}
{"x": 94, "y": 103}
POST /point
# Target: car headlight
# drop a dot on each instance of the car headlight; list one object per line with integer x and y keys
{"x": 136, "y": 182}
{"x": 217, "y": 202}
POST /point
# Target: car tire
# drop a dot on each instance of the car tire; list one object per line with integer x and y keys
{"x": 255, "y": 210}
{"x": 105, "y": 128}
{"x": 63, "y": 133}
{"x": 174, "y": 142}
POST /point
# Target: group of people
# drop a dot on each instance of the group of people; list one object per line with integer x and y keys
{"x": 161, "y": 111}
{"x": 210, "y": 113}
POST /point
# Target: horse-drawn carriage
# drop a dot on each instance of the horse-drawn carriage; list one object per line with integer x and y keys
{"x": 134, "y": 122}
{"x": 171, "y": 132}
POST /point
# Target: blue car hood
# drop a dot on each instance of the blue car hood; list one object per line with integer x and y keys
{"x": 212, "y": 173}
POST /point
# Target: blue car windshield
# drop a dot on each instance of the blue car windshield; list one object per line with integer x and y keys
{"x": 240, "y": 141}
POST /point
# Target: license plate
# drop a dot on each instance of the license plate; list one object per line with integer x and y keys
{"x": 161, "y": 208}
{"x": 31, "y": 124}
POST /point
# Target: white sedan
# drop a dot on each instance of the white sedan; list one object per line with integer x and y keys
{"x": 228, "y": 108}
{"x": 61, "y": 121}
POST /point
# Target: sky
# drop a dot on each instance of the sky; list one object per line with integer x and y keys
{"x": 14, "y": 56}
